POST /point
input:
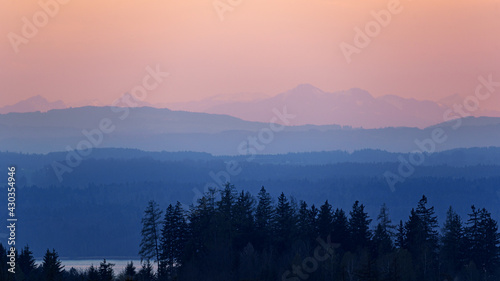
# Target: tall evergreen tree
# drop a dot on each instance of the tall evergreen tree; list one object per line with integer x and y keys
{"x": 173, "y": 240}
{"x": 92, "y": 273}
{"x": 202, "y": 229}
{"x": 384, "y": 233}
{"x": 482, "y": 240}
{"x": 106, "y": 272}
{"x": 340, "y": 226}
{"x": 325, "y": 220}
{"x": 385, "y": 221}
{"x": 243, "y": 220}
{"x": 146, "y": 273}
{"x": 27, "y": 263}
{"x": 263, "y": 218}
{"x": 307, "y": 222}
{"x": 167, "y": 244}
{"x": 359, "y": 227}
{"x": 130, "y": 273}
{"x": 225, "y": 219}
{"x": 429, "y": 223}
{"x": 4, "y": 266}
{"x": 401, "y": 236}
{"x": 284, "y": 224}
{"x": 52, "y": 267}
{"x": 422, "y": 240}
{"x": 451, "y": 251}
{"x": 414, "y": 234}
{"x": 313, "y": 221}
{"x": 151, "y": 227}
{"x": 491, "y": 241}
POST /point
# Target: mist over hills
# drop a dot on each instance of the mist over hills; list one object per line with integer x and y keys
{"x": 353, "y": 107}
{"x": 35, "y": 103}
{"x": 155, "y": 129}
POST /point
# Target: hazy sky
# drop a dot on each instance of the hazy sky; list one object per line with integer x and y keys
{"x": 100, "y": 49}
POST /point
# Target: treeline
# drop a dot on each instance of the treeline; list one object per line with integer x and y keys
{"x": 231, "y": 235}
{"x": 116, "y": 209}
{"x": 51, "y": 269}
{"x": 234, "y": 236}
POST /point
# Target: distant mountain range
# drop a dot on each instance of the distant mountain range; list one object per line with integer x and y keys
{"x": 353, "y": 107}
{"x": 153, "y": 129}
{"x": 36, "y": 103}
{"x": 41, "y": 104}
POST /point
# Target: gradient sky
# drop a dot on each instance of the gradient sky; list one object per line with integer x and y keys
{"x": 100, "y": 49}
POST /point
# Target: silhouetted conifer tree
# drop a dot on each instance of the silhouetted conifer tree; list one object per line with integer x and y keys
{"x": 359, "y": 227}
{"x": 263, "y": 218}
{"x": 106, "y": 272}
{"x": 151, "y": 228}
{"x": 384, "y": 233}
{"x": 173, "y": 240}
{"x": 243, "y": 220}
{"x": 340, "y": 226}
{"x": 325, "y": 220}
{"x": 482, "y": 241}
{"x": 452, "y": 245}
{"x": 27, "y": 263}
{"x": 284, "y": 223}
{"x": 51, "y": 266}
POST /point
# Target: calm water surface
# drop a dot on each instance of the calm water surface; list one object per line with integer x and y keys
{"x": 120, "y": 264}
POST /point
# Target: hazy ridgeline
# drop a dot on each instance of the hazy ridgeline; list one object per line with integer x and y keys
{"x": 55, "y": 130}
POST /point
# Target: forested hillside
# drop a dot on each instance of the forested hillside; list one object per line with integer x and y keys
{"x": 105, "y": 195}
{"x": 234, "y": 235}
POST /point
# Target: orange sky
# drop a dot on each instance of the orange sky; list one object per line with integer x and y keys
{"x": 100, "y": 49}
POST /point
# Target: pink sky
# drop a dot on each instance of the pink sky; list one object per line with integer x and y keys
{"x": 100, "y": 49}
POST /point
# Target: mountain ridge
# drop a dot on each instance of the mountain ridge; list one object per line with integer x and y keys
{"x": 33, "y": 104}
{"x": 154, "y": 129}
{"x": 352, "y": 107}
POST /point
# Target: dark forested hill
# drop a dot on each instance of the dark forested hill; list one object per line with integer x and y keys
{"x": 99, "y": 202}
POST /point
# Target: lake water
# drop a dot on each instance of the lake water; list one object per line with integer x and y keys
{"x": 120, "y": 264}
